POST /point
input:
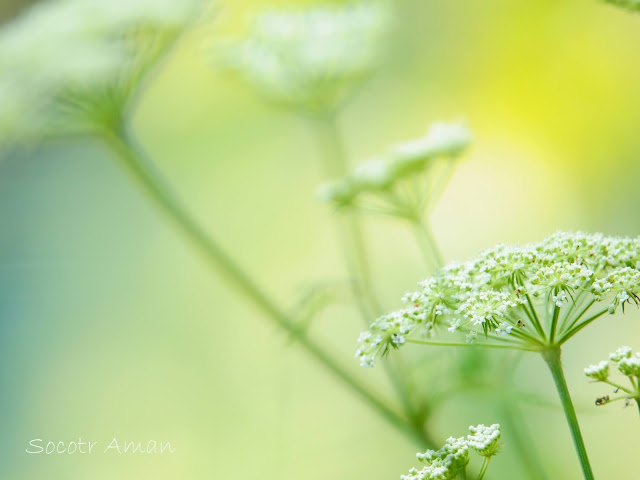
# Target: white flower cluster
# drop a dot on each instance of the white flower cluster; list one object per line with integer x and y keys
{"x": 311, "y": 57}
{"x": 502, "y": 291}
{"x": 485, "y": 439}
{"x": 443, "y": 464}
{"x": 630, "y": 366}
{"x": 621, "y": 283}
{"x": 62, "y": 52}
{"x": 599, "y": 372}
{"x": 442, "y": 140}
{"x": 452, "y": 459}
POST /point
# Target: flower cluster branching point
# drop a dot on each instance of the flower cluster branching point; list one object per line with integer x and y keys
{"x": 528, "y": 297}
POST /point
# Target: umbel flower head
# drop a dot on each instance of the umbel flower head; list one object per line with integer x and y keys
{"x": 409, "y": 171}
{"x": 310, "y": 57}
{"x": 69, "y": 65}
{"x": 452, "y": 459}
{"x": 628, "y": 365}
{"x": 528, "y": 297}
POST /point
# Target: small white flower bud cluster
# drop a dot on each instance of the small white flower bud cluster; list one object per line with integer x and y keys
{"x": 628, "y": 365}
{"x": 503, "y": 290}
{"x": 379, "y": 175}
{"x": 62, "y": 53}
{"x": 599, "y": 372}
{"x": 452, "y": 459}
{"x": 485, "y": 439}
{"x": 310, "y": 58}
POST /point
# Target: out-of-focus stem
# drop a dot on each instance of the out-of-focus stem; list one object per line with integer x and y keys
{"x": 350, "y": 229}
{"x": 428, "y": 246}
{"x": 484, "y": 468}
{"x": 155, "y": 187}
{"x": 356, "y": 254}
{"x": 522, "y": 441}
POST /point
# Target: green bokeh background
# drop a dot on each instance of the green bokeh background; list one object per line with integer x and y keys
{"x": 112, "y": 325}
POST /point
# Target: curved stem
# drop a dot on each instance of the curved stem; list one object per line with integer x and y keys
{"x": 153, "y": 184}
{"x": 552, "y": 358}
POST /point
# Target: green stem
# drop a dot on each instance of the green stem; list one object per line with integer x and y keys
{"x": 534, "y": 317}
{"x": 580, "y": 326}
{"x": 356, "y": 256}
{"x": 619, "y": 387}
{"x": 552, "y": 358}
{"x": 484, "y": 468}
{"x": 430, "y": 252}
{"x": 579, "y": 316}
{"x": 471, "y": 345}
{"x": 153, "y": 184}
{"x": 522, "y": 441}
{"x": 355, "y": 252}
{"x": 554, "y": 324}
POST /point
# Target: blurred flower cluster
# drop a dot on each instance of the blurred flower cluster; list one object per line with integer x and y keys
{"x": 383, "y": 185}
{"x": 310, "y": 58}
{"x": 69, "y": 66}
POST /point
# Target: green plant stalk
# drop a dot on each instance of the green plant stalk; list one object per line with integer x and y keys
{"x": 522, "y": 441}
{"x": 356, "y": 256}
{"x": 552, "y": 358}
{"x": 154, "y": 186}
{"x": 484, "y": 468}
{"x": 430, "y": 251}
{"x": 352, "y": 240}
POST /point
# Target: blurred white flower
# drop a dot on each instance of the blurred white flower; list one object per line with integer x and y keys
{"x": 311, "y": 58}
{"x": 377, "y": 181}
{"x": 69, "y": 63}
